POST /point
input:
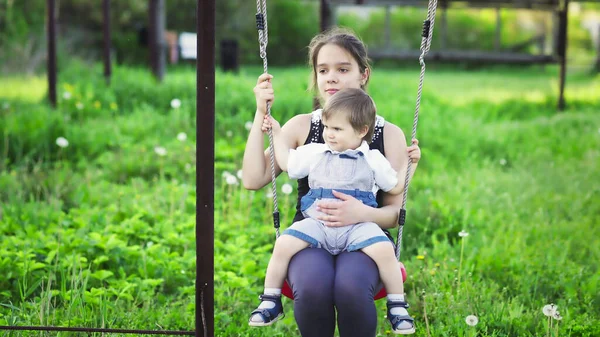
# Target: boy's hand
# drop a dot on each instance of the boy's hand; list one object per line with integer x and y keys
{"x": 414, "y": 152}
{"x": 270, "y": 123}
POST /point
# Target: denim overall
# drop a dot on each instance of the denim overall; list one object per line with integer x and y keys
{"x": 349, "y": 173}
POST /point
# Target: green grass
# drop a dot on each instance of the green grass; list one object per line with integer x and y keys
{"x": 105, "y": 226}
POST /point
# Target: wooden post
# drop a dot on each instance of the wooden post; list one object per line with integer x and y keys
{"x": 205, "y": 140}
{"x": 324, "y": 23}
{"x": 563, "y": 14}
{"x": 498, "y": 40}
{"x": 51, "y": 7}
{"x": 157, "y": 38}
{"x": 107, "y": 44}
{"x": 325, "y": 15}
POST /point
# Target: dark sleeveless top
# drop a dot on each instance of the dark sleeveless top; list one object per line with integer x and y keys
{"x": 315, "y": 135}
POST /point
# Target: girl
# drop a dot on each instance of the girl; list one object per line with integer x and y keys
{"x": 345, "y": 163}
{"x": 322, "y": 282}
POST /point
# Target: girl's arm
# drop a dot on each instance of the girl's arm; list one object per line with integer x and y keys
{"x": 256, "y": 165}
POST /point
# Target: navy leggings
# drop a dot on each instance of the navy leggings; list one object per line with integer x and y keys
{"x": 322, "y": 283}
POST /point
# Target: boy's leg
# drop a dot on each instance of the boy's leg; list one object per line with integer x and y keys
{"x": 371, "y": 240}
{"x": 286, "y": 247}
{"x": 293, "y": 240}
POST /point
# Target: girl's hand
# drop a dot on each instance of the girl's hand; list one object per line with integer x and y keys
{"x": 414, "y": 151}
{"x": 264, "y": 93}
{"x": 270, "y": 123}
{"x": 344, "y": 212}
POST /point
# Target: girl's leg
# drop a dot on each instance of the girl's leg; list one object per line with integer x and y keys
{"x": 356, "y": 283}
{"x": 311, "y": 274}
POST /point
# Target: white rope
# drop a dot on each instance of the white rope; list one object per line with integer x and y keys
{"x": 425, "y": 45}
{"x": 263, "y": 40}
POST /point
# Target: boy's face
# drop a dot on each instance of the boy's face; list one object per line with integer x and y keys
{"x": 339, "y": 134}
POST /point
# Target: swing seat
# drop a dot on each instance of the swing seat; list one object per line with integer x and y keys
{"x": 287, "y": 291}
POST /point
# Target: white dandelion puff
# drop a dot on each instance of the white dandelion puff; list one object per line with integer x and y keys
{"x": 557, "y": 316}
{"x": 67, "y": 95}
{"x": 472, "y": 320}
{"x": 225, "y": 174}
{"x": 181, "y": 136}
{"x": 231, "y": 180}
{"x": 502, "y": 161}
{"x": 79, "y": 106}
{"x": 161, "y": 151}
{"x": 62, "y": 142}
{"x": 269, "y": 194}
{"x": 239, "y": 174}
{"x": 549, "y": 309}
{"x": 149, "y": 244}
{"x": 463, "y": 234}
{"x": 248, "y": 125}
{"x": 287, "y": 189}
{"x": 175, "y": 103}
{"x": 229, "y": 134}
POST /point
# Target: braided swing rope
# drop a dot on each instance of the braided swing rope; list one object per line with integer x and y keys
{"x": 263, "y": 40}
{"x": 425, "y": 45}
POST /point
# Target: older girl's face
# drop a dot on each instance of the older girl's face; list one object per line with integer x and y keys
{"x": 336, "y": 70}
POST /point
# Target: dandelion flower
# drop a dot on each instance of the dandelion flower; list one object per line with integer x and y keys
{"x": 502, "y": 161}
{"x": 229, "y": 134}
{"x": 557, "y": 316}
{"x": 188, "y": 167}
{"x": 175, "y": 103}
{"x": 181, "y": 136}
{"x": 62, "y": 142}
{"x": 239, "y": 174}
{"x": 161, "y": 151}
{"x": 248, "y": 125}
{"x": 420, "y": 257}
{"x": 231, "y": 180}
{"x": 67, "y": 95}
{"x": 463, "y": 234}
{"x": 225, "y": 174}
{"x": 472, "y": 320}
{"x": 269, "y": 194}
{"x": 287, "y": 189}
{"x": 97, "y": 105}
{"x": 149, "y": 244}
{"x": 549, "y": 309}
{"x": 79, "y": 106}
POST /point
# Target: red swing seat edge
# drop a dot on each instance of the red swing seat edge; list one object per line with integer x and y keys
{"x": 287, "y": 291}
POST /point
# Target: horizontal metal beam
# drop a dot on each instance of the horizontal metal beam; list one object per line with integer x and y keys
{"x": 464, "y": 56}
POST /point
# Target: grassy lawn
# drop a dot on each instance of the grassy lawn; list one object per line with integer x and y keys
{"x": 101, "y": 232}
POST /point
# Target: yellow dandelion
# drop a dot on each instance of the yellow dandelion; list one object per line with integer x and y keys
{"x": 97, "y": 104}
{"x": 114, "y": 106}
{"x": 437, "y": 265}
{"x": 420, "y": 257}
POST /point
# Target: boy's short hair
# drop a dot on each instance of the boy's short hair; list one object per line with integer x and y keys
{"x": 357, "y": 105}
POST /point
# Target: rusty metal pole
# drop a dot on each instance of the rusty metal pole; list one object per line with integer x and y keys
{"x": 205, "y": 155}
{"x": 563, "y": 20}
{"x": 156, "y": 38}
{"x": 51, "y": 65}
{"x": 107, "y": 44}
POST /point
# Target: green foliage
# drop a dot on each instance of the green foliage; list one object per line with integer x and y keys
{"x": 101, "y": 232}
